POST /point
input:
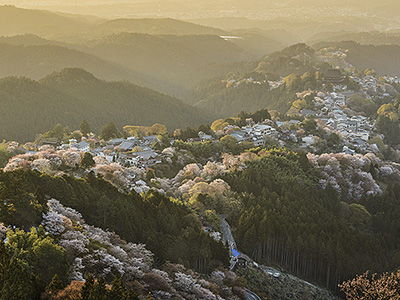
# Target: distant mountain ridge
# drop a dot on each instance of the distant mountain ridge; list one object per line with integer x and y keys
{"x": 167, "y": 63}
{"x": 15, "y": 21}
{"x": 157, "y": 26}
{"x": 39, "y": 60}
{"x": 18, "y": 21}
{"x": 364, "y": 38}
{"x": 67, "y": 97}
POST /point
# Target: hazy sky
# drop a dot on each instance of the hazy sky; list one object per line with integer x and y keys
{"x": 118, "y": 8}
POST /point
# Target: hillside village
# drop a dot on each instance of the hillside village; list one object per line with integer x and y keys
{"x": 328, "y": 112}
{"x": 196, "y": 150}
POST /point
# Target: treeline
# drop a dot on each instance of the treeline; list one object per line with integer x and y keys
{"x": 287, "y": 221}
{"x": 167, "y": 228}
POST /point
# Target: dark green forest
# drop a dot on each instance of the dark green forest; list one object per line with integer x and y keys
{"x": 287, "y": 221}
{"x": 169, "y": 229}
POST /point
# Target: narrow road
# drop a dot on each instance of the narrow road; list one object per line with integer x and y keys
{"x": 227, "y": 234}
{"x": 228, "y": 237}
{"x": 251, "y": 296}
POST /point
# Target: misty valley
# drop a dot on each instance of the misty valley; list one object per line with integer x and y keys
{"x": 199, "y": 150}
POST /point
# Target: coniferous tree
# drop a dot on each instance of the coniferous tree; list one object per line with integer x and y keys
{"x": 87, "y": 161}
{"x": 87, "y": 289}
{"x": 99, "y": 291}
{"x": 55, "y": 285}
{"x": 109, "y": 131}
{"x": 118, "y": 290}
{"x": 17, "y": 283}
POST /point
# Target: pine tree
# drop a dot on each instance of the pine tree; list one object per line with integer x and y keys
{"x": 109, "y": 131}
{"x": 17, "y": 283}
{"x": 86, "y": 293}
{"x": 131, "y": 295}
{"x": 87, "y": 161}
{"x": 4, "y": 262}
{"x": 118, "y": 290}
{"x": 55, "y": 285}
{"x": 40, "y": 197}
{"x": 99, "y": 289}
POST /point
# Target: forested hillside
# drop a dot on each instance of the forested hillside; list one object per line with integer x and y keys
{"x": 289, "y": 221}
{"x": 16, "y": 21}
{"x": 246, "y": 90}
{"x": 261, "y": 42}
{"x": 32, "y": 107}
{"x": 168, "y": 229}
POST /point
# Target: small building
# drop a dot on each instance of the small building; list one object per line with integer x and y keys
{"x": 308, "y": 112}
{"x": 352, "y": 125}
{"x": 333, "y": 76}
{"x": 128, "y": 159}
{"x": 116, "y": 142}
{"x": 308, "y": 141}
{"x": 241, "y": 136}
{"x": 347, "y": 150}
{"x": 81, "y": 146}
{"x": 148, "y": 158}
{"x": 205, "y": 137}
{"x": 51, "y": 143}
{"x": 150, "y": 139}
{"x": 128, "y": 145}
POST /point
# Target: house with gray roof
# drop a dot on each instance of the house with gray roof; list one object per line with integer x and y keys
{"x": 81, "y": 146}
{"x": 128, "y": 145}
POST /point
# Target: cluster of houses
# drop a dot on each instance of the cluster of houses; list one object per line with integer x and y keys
{"x": 355, "y": 130}
{"x": 254, "y": 133}
{"x": 329, "y": 108}
{"x": 392, "y": 79}
{"x": 131, "y": 151}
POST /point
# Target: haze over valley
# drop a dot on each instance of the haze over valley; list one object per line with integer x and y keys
{"x": 199, "y": 149}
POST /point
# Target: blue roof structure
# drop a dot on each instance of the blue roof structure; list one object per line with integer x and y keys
{"x": 235, "y": 253}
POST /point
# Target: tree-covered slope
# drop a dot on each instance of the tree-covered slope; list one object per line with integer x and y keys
{"x": 363, "y": 38}
{"x": 249, "y": 90}
{"x": 170, "y": 230}
{"x": 288, "y": 220}
{"x": 31, "y": 107}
